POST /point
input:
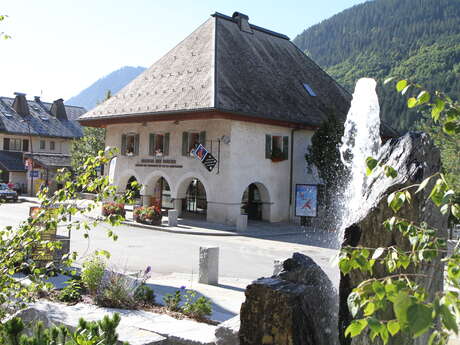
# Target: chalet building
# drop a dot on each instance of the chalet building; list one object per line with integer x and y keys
{"x": 35, "y": 139}
{"x": 246, "y": 94}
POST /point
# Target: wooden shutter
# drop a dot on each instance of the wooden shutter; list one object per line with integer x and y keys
{"x": 203, "y": 138}
{"x": 6, "y": 144}
{"x": 268, "y": 146}
{"x": 166, "y": 145}
{"x": 285, "y": 147}
{"x": 152, "y": 144}
{"x": 25, "y": 145}
{"x": 136, "y": 144}
{"x": 185, "y": 144}
{"x": 123, "y": 144}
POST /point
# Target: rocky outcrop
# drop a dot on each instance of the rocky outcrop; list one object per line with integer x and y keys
{"x": 294, "y": 307}
{"x": 415, "y": 158}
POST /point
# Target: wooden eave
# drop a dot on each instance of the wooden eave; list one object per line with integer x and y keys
{"x": 102, "y": 122}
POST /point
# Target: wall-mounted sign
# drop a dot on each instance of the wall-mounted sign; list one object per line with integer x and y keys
{"x": 306, "y": 200}
{"x": 205, "y": 157}
{"x": 34, "y": 173}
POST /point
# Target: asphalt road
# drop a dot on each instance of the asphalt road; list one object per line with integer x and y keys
{"x": 136, "y": 248}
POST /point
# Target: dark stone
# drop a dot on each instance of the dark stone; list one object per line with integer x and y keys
{"x": 415, "y": 158}
{"x": 294, "y": 307}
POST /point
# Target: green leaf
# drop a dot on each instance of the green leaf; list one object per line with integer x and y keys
{"x": 353, "y": 303}
{"x": 423, "y": 97}
{"x": 401, "y": 304}
{"x": 356, "y": 327}
{"x": 371, "y": 163}
{"x": 451, "y": 127}
{"x": 390, "y": 171}
{"x": 401, "y": 85}
{"x": 379, "y": 289}
{"x": 411, "y": 102}
{"x": 393, "y": 327}
{"x": 455, "y": 209}
{"x": 369, "y": 309}
{"x": 388, "y": 80}
{"x": 419, "y": 317}
{"x": 448, "y": 319}
{"x": 378, "y": 252}
{"x": 437, "y": 109}
{"x": 423, "y": 184}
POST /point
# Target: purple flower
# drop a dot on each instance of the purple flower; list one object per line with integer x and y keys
{"x": 147, "y": 270}
{"x": 183, "y": 287}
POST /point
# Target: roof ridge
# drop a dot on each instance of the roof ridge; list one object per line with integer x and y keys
{"x": 254, "y": 27}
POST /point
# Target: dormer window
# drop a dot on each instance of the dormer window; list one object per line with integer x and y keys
{"x": 309, "y": 90}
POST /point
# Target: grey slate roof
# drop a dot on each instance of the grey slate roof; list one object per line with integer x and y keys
{"x": 51, "y": 127}
{"x": 11, "y": 161}
{"x": 220, "y": 67}
{"x": 51, "y": 160}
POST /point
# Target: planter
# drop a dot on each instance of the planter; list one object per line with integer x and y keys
{"x": 148, "y": 215}
{"x": 277, "y": 159}
{"x": 110, "y": 208}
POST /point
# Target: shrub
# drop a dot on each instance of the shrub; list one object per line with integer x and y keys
{"x": 148, "y": 215}
{"x": 93, "y": 272}
{"x": 117, "y": 291}
{"x": 102, "y": 332}
{"x": 72, "y": 292}
{"x": 113, "y": 208}
{"x": 172, "y": 302}
{"x": 196, "y": 307}
{"x": 144, "y": 294}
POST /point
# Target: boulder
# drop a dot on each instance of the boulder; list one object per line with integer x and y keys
{"x": 294, "y": 307}
{"x": 227, "y": 333}
{"x": 415, "y": 158}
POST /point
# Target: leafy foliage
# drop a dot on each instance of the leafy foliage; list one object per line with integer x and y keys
{"x": 172, "y": 301}
{"x": 2, "y": 34}
{"x": 71, "y": 292}
{"x": 417, "y": 39}
{"x": 398, "y": 304}
{"x": 196, "y": 306}
{"x": 144, "y": 294}
{"x": 90, "y": 144}
{"x": 93, "y": 272}
{"x": 102, "y": 332}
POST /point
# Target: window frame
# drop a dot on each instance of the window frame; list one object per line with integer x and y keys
{"x": 282, "y": 147}
{"x": 43, "y": 147}
{"x": 52, "y": 145}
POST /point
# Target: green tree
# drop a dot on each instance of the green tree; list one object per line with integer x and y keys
{"x": 2, "y": 34}
{"x": 90, "y": 144}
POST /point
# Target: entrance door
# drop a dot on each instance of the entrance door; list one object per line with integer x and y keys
{"x": 195, "y": 198}
{"x": 253, "y": 202}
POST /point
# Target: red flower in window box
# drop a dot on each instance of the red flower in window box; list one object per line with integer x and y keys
{"x": 148, "y": 215}
{"x": 110, "y": 208}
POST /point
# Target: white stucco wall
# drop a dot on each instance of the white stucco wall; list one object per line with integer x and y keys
{"x": 61, "y": 145}
{"x": 241, "y": 163}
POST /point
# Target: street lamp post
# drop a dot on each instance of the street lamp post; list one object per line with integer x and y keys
{"x": 32, "y": 158}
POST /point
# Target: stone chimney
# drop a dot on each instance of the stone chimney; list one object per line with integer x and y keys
{"x": 58, "y": 109}
{"x": 243, "y": 22}
{"x": 20, "y": 104}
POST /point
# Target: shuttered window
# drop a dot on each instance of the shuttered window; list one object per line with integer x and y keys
{"x": 276, "y": 147}
{"x": 6, "y": 144}
{"x": 159, "y": 144}
{"x": 130, "y": 144}
{"x": 191, "y": 140}
{"x": 25, "y": 145}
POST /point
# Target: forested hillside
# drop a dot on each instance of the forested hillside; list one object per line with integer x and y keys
{"x": 417, "y": 39}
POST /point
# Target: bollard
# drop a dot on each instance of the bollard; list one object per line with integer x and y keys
{"x": 172, "y": 217}
{"x": 209, "y": 265}
{"x": 242, "y": 223}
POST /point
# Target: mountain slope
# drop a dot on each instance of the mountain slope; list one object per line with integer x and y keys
{"x": 417, "y": 39}
{"x": 114, "y": 81}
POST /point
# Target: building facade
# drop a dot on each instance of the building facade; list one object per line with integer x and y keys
{"x": 246, "y": 94}
{"x": 35, "y": 140}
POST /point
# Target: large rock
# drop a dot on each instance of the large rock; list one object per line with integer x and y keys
{"x": 415, "y": 158}
{"x": 136, "y": 327}
{"x": 294, "y": 307}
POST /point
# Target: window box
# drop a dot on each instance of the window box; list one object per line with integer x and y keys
{"x": 159, "y": 144}
{"x": 110, "y": 208}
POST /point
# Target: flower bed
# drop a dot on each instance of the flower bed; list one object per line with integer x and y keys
{"x": 110, "y": 208}
{"x": 148, "y": 215}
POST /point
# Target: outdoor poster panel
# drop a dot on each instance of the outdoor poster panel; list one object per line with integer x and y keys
{"x": 306, "y": 200}
{"x": 41, "y": 253}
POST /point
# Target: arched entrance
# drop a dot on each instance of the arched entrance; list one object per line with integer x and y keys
{"x": 135, "y": 190}
{"x": 162, "y": 194}
{"x": 256, "y": 202}
{"x": 195, "y": 202}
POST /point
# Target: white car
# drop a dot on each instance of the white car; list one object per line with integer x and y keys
{"x": 7, "y": 194}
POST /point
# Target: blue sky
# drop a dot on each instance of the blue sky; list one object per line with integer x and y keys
{"x": 60, "y": 47}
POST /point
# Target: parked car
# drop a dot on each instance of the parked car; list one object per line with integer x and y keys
{"x": 7, "y": 193}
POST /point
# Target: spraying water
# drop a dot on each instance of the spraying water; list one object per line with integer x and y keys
{"x": 361, "y": 139}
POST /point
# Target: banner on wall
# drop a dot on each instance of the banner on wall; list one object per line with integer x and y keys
{"x": 205, "y": 157}
{"x": 306, "y": 200}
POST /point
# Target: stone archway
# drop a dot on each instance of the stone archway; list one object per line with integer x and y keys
{"x": 194, "y": 197}
{"x": 255, "y": 202}
{"x": 158, "y": 190}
